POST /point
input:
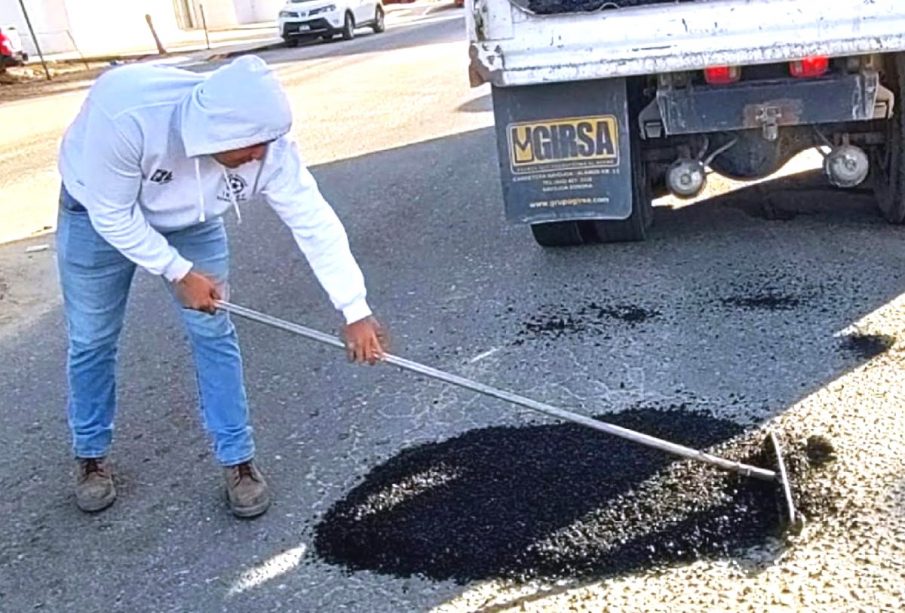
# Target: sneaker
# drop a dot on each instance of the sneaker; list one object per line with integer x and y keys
{"x": 94, "y": 489}
{"x": 246, "y": 490}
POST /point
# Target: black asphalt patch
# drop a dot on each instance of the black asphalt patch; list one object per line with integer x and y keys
{"x": 551, "y": 501}
{"x": 768, "y": 301}
{"x": 820, "y": 450}
{"x": 867, "y": 346}
{"x": 555, "y": 321}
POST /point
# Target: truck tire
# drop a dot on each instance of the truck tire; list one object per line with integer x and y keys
{"x": 634, "y": 228}
{"x": 560, "y": 233}
{"x": 888, "y": 163}
{"x": 639, "y": 222}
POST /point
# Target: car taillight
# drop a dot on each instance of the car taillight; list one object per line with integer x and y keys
{"x": 810, "y": 67}
{"x": 722, "y": 75}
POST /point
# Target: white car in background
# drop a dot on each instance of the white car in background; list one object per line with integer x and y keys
{"x": 305, "y": 19}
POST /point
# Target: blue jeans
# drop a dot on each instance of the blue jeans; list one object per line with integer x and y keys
{"x": 95, "y": 279}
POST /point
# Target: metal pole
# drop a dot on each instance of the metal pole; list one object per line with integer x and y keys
{"x": 72, "y": 40}
{"x": 160, "y": 48}
{"x": 534, "y": 405}
{"x": 35, "y": 39}
{"x": 204, "y": 23}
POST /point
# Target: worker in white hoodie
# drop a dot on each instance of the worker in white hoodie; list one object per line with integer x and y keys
{"x": 152, "y": 162}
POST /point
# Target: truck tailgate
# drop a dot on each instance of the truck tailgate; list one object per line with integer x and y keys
{"x": 511, "y": 46}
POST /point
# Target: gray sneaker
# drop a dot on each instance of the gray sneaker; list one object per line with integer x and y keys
{"x": 246, "y": 490}
{"x": 94, "y": 489}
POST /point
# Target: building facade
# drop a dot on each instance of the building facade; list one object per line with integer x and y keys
{"x": 110, "y": 27}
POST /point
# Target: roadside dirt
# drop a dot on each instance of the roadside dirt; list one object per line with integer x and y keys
{"x": 23, "y": 82}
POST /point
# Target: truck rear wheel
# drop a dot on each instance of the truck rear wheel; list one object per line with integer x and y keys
{"x": 560, "y": 233}
{"x": 888, "y": 164}
{"x": 639, "y": 222}
{"x": 632, "y": 229}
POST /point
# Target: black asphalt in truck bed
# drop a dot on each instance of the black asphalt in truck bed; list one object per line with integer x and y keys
{"x": 549, "y": 7}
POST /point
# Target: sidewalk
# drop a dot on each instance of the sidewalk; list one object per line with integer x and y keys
{"x": 190, "y": 41}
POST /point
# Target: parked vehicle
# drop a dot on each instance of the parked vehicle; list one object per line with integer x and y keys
{"x": 306, "y": 19}
{"x": 598, "y": 108}
{"x": 11, "y": 52}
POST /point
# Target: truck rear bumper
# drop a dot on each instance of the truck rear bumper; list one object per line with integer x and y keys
{"x": 514, "y": 47}
{"x": 765, "y": 105}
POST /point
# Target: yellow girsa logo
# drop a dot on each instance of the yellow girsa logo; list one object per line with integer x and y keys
{"x": 566, "y": 143}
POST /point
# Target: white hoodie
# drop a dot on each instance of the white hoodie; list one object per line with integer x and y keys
{"x": 138, "y": 158}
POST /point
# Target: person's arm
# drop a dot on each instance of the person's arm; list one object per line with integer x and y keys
{"x": 292, "y": 192}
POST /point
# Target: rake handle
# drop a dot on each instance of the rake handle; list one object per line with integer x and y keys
{"x": 528, "y": 403}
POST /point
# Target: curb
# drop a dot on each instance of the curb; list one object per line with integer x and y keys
{"x": 140, "y": 57}
{"x": 237, "y": 52}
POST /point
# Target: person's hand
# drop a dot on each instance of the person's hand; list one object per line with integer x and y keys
{"x": 365, "y": 340}
{"x": 198, "y": 292}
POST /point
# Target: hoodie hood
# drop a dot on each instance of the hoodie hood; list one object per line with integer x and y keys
{"x": 239, "y": 105}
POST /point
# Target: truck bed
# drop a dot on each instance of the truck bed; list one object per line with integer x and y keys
{"x": 512, "y": 46}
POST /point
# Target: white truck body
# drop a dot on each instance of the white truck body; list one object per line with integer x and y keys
{"x": 511, "y": 46}
{"x": 597, "y": 111}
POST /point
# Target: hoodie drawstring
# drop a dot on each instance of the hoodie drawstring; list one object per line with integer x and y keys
{"x": 200, "y": 191}
{"x": 232, "y": 196}
{"x": 229, "y": 191}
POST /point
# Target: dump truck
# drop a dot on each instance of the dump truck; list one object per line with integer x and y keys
{"x": 600, "y": 106}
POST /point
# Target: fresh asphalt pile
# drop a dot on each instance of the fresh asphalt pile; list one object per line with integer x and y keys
{"x": 555, "y": 501}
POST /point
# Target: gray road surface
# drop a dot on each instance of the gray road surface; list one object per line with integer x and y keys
{"x": 747, "y": 301}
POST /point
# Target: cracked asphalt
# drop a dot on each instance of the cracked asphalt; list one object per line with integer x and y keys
{"x": 729, "y": 320}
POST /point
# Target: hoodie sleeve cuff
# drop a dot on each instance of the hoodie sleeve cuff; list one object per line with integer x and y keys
{"x": 177, "y": 269}
{"x": 356, "y": 311}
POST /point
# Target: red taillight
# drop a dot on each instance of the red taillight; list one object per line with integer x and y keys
{"x": 810, "y": 67}
{"x": 722, "y": 75}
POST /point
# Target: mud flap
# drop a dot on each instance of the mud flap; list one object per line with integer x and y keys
{"x": 564, "y": 150}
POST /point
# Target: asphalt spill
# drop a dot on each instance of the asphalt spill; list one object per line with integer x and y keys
{"x": 549, "y": 501}
{"x": 820, "y": 450}
{"x": 768, "y": 301}
{"x": 867, "y": 346}
{"x": 554, "y": 321}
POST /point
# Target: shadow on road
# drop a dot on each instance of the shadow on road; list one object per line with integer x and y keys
{"x": 478, "y": 105}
